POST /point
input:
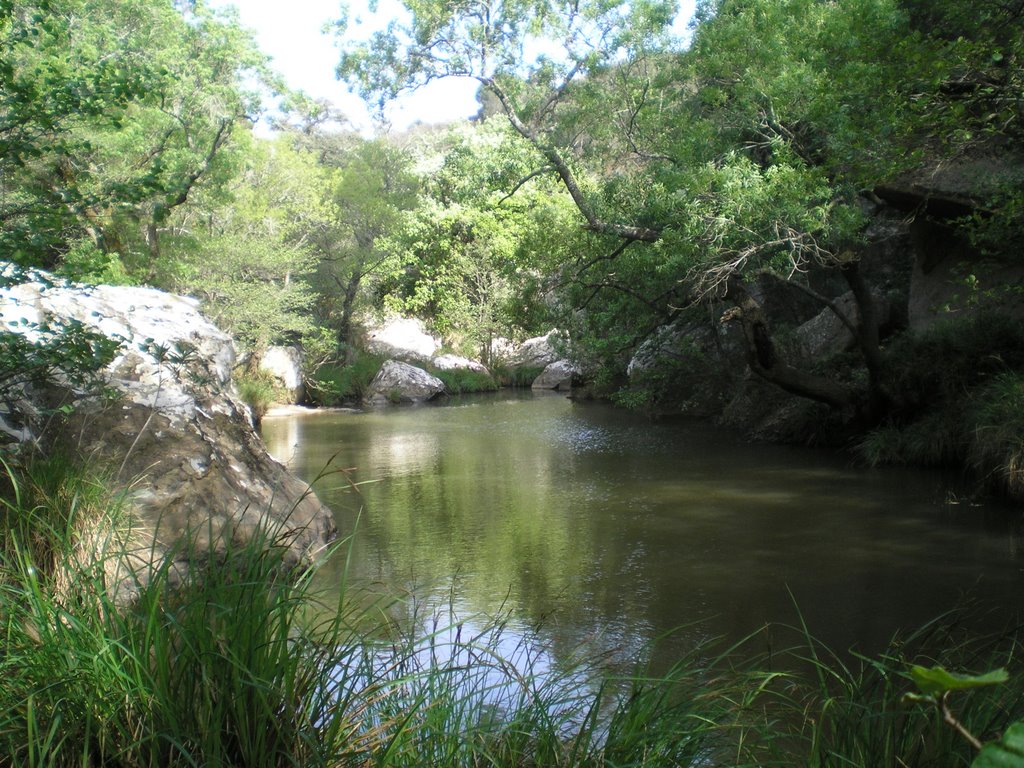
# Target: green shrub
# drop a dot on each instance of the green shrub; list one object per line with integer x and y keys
{"x": 463, "y": 381}
{"x": 334, "y": 384}
{"x": 850, "y": 710}
{"x": 958, "y": 399}
{"x": 996, "y": 438}
{"x": 259, "y": 391}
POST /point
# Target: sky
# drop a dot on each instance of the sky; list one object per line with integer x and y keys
{"x": 291, "y": 32}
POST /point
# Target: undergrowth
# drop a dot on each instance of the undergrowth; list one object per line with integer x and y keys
{"x": 335, "y": 384}
{"x": 958, "y": 395}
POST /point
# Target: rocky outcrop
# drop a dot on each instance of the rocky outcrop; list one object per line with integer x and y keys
{"x": 167, "y": 423}
{"x": 399, "y": 382}
{"x": 532, "y": 353}
{"x": 284, "y": 364}
{"x": 557, "y": 375}
{"x": 403, "y": 338}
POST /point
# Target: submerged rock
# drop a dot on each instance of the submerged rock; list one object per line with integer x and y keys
{"x": 398, "y": 382}
{"x": 163, "y": 416}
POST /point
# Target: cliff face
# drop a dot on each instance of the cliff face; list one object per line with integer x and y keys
{"x": 161, "y": 415}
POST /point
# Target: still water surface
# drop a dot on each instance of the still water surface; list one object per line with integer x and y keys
{"x": 592, "y": 527}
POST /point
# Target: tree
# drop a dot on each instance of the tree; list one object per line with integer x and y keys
{"x": 371, "y": 183}
{"x": 113, "y": 111}
{"x": 468, "y": 255}
{"x": 245, "y": 249}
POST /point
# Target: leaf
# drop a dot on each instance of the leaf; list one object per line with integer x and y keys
{"x": 938, "y": 680}
{"x": 1008, "y": 752}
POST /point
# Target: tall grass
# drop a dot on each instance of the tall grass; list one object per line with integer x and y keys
{"x": 259, "y": 391}
{"x": 958, "y": 400}
{"x": 463, "y": 381}
{"x": 836, "y": 709}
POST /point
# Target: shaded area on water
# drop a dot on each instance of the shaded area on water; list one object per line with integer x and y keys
{"x": 593, "y": 526}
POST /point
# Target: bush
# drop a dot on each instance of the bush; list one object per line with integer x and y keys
{"x": 334, "y": 384}
{"x": 517, "y": 378}
{"x": 958, "y": 400}
{"x": 463, "y": 381}
{"x": 259, "y": 391}
{"x": 996, "y": 434}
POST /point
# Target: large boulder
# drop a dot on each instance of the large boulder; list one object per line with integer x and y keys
{"x": 284, "y": 364}
{"x": 398, "y": 382}
{"x": 557, "y": 375}
{"x": 537, "y": 352}
{"x": 173, "y": 434}
{"x": 825, "y": 334}
{"x": 402, "y": 337}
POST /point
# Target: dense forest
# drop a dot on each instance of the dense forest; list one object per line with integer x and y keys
{"x": 684, "y": 212}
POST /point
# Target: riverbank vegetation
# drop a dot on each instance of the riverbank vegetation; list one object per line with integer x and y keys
{"x": 111, "y": 658}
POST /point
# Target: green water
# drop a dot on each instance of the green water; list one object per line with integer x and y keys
{"x": 590, "y": 526}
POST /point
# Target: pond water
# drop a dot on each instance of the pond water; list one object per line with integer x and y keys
{"x": 588, "y": 526}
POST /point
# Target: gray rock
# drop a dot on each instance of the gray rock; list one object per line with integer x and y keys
{"x": 398, "y": 382}
{"x": 825, "y": 334}
{"x": 533, "y": 353}
{"x": 177, "y": 439}
{"x": 556, "y": 375}
{"x": 285, "y": 365}
{"x": 402, "y": 338}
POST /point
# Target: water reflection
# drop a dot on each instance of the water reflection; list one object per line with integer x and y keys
{"x": 608, "y": 530}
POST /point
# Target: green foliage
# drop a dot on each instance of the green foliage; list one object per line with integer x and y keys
{"x": 113, "y": 112}
{"x": 49, "y": 351}
{"x": 958, "y": 392}
{"x": 518, "y": 378}
{"x": 463, "y": 381}
{"x": 469, "y": 258}
{"x": 933, "y": 681}
{"x": 245, "y": 257}
{"x": 1008, "y": 752}
{"x": 334, "y": 384}
{"x": 996, "y": 446}
{"x": 259, "y": 391}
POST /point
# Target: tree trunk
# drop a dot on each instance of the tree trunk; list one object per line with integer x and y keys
{"x": 868, "y": 339}
{"x": 763, "y": 358}
{"x": 350, "y": 289}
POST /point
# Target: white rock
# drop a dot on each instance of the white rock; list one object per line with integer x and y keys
{"x": 403, "y": 337}
{"x": 285, "y": 365}
{"x": 180, "y": 442}
{"x": 451, "y": 362}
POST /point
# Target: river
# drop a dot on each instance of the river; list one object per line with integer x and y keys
{"x": 588, "y": 526}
